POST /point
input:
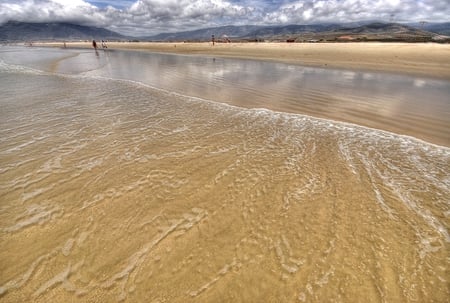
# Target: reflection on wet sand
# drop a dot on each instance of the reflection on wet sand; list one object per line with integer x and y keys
{"x": 113, "y": 191}
{"x": 383, "y": 101}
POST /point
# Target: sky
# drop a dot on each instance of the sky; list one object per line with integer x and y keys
{"x": 150, "y": 17}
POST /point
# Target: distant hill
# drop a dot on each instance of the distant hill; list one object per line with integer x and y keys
{"x": 239, "y": 32}
{"x": 22, "y": 31}
{"x": 356, "y": 31}
{"x": 292, "y": 29}
{"x": 380, "y": 28}
{"x": 438, "y": 28}
{"x": 205, "y": 34}
{"x": 378, "y": 31}
{"x": 374, "y": 31}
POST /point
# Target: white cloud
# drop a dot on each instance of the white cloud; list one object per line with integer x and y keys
{"x": 147, "y": 17}
{"x": 51, "y": 10}
{"x": 309, "y": 11}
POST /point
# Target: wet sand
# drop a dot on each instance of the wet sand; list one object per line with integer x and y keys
{"x": 165, "y": 198}
{"x": 116, "y": 191}
{"x": 346, "y": 86}
{"x": 422, "y": 59}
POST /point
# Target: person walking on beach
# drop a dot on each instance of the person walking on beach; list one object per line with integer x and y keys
{"x": 104, "y": 44}
{"x": 94, "y": 44}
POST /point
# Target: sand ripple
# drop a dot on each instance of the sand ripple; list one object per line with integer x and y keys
{"x": 167, "y": 198}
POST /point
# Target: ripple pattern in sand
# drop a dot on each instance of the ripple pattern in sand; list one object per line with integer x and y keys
{"x": 165, "y": 198}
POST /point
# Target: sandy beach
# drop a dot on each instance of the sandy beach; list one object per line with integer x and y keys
{"x": 120, "y": 182}
{"x": 420, "y": 59}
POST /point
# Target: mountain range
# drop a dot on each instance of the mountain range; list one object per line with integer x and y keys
{"x": 13, "y": 31}
{"x": 23, "y": 31}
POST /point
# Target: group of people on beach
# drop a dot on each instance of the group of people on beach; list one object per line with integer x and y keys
{"x": 94, "y": 44}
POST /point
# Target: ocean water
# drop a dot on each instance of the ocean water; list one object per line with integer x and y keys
{"x": 133, "y": 177}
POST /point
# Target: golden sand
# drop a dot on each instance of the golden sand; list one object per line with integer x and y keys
{"x": 168, "y": 199}
{"x": 112, "y": 191}
{"x": 423, "y": 59}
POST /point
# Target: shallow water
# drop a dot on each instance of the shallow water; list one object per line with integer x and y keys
{"x": 418, "y": 107}
{"x": 111, "y": 190}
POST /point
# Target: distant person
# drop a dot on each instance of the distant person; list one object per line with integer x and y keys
{"x": 213, "y": 39}
{"x": 94, "y": 44}
{"x": 104, "y": 44}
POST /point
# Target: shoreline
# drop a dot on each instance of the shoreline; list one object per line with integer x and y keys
{"x": 415, "y": 59}
{"x": 267, "y": 51}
